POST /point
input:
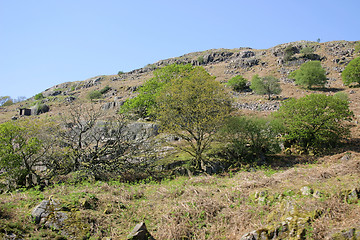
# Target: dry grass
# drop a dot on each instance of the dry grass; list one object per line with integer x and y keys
{"x": 202, "y": 207}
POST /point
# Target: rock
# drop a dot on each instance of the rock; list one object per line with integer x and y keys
{"x": 141, "y": 130}
{"x": 353, "y": 196}
{"x": 346, "y": 157}
{"x": 48, "y": 213}
{"x": 140, "y": 232}
{"x": 69, "y": 99}
{"x": 51, "y": 93}
{"x": 306, "y": 191}
{"x": 14, "y": 118}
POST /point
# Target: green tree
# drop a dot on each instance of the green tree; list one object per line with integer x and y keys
{"x": 351, "y": 73}
{"x": 193, "y": 107}
{"x": 144, "y": 103}
{"x": 251, "y": 138}
{"x": 267, "y": 85}
{"x": 237, "y": 83}
{"x": 6, "y": 101}
{"x": 310, "y": 74}
{"x": 315, "y": 122}
{"x": 22, "y": 148}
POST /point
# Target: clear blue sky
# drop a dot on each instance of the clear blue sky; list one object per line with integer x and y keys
{"x": 47, "y": 42}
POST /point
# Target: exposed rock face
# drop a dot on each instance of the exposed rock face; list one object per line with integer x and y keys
{"x": 141, "y": 130}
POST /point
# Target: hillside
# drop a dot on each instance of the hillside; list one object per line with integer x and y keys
{"x": 290, "y": 196}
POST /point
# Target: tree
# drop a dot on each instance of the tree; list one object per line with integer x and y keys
{"x": 351, "y": 73}
{"x": 237, "y": 83}
{"x": 6, "y": 101}
{"x": 94, "y": 144}
{"x": 193, "y": 107}
{"x": 23, "y": 147}
{"x": 289, "y": 53}
{"x": 265, "y": 85}
{"x": 144, "y": 103}
{"x": 310, "y": 74}
{"x": 250, "y": 138}
{"x": 315, "y": 122}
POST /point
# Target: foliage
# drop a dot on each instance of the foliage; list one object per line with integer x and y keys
{"x": 105, "y": 89}
{"x": 38, "y": 96}
{"x": 144, "y": 103}
{"x": 289, "y": 53}
{"x": 310, "y": 74}
{"x": 357, "y": 48}
{"x": 308, "y": 52}
{"x": 120, "y": 73}
{"x": 22, "y": 147}
{"x": 250, "y": 138}
{"x": 351, "y": 73}
{"x": 237, "y": 83}
{"x": 265, "y": 85}
{"x": 342, "y": 95}
{"x": 193, "y": 107}
{"x": 315, "y": 122}
{"x": 6, "y": 101}
{"x": 94, "y": 95}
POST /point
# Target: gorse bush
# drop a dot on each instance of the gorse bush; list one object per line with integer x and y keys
{"x": 38, "y": 96}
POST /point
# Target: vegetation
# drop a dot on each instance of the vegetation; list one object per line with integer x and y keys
{"x": 289, "y": 53}
{"x": 23, "y": 146}
{"x": 144, "y": 104}
{"x": 38, "y": 96}
{"x": 6, "y": 101}
{"x": 193, "y": 107}
{"x": 237, "y": 83}
{"x": 267, "y": 85}
{"x": 250, "y": 138}
{"x": 351, "y": 73}
{"x": 94, "y": 95}
{"x": 315, "y": 122}
{"x": 310, "y": 74}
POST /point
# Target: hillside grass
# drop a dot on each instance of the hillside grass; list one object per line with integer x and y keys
{"x": 201, "y": 207}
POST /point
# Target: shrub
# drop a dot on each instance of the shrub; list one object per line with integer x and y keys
{"x": 266, "y": 85}
{"x": 351, "y": 73}
{"x": 237, "y": 83}
{"x": 289, "y": 53}
{"x": 105, "y": 89}
{"x": 120, "y": 73}
{"x": 38, "y": 96}
{"x": 250, "y": 138}
{"x": 94, "y": 95}
{"x": 310, "y": 74}
{"x": 315, "y": 122}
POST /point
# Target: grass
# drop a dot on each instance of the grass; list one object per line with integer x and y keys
{"x": 201, "y": 207}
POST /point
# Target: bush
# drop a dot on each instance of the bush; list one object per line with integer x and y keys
{"x": 105, "y": 89}
{"x": 266, "y": 85}
{"x": 250, "y": 138}
{"x": 38, "y": 96}
{"x": 310, "y": 74}
{"x": 315, "y": 122}
{"x": 289, "y": 53}
{"x": 351, "y": 73}
{"x": 237, "y": 83}
{"x": 94, "y": 95}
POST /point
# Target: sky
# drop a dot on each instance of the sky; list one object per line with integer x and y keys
{"x": 48, "y": 42}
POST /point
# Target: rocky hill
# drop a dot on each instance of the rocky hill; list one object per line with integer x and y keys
{"x": 222, "y": 63}
{"x": 294, "y": 197}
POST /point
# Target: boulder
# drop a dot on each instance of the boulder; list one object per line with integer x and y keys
{"x": 140, "y": 232}
{"x": 49, "y": 214}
